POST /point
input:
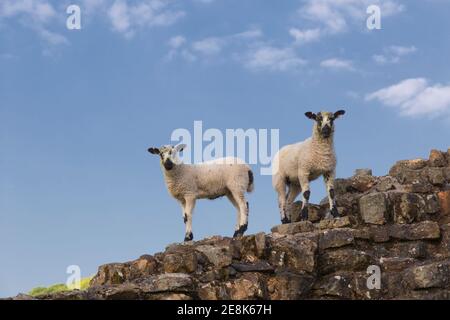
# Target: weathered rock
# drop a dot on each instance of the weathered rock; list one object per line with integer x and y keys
{"x": 180, "y": 263}
{"x": 362, "y": 183}
{"x": 435, "y": 275}
{"x": 401, "y": 165}
{"x": 260, "y": 266}
{"x": 427, "y": 230}
{"x": 335, "y": 223}
{"x": 436, "y": 176}
{"x": 253, "y": 247}
{"x": 335, "y": 238}
{"x": 336, "y": 285}
{"x": 167, "y": 282}
{"x": 363, "y": 172}
{"x": 405, "y": 206}
{"x": 444, "y": 202}
{"x": 315, "y": 212}
{"x": 373, "y": 208}
{"x": 248, "y": 287}
{"x": 294, "y": 253}
{"x": 289, "y": 286}
{"x": 213, "y": 291}
{"x": 385, "y": 184}
{"x": 343, "y": 259}
{"x": 412, "y": 249}
{"x": 437, "y": 159}
{"x": 218, "y": 256}
{"x": 124, "y": 291}
{"x": 396, "y": 263}
{"x": 292, "y": 228}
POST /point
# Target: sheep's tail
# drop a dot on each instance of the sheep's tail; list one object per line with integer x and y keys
{"x": 251, "y": 185}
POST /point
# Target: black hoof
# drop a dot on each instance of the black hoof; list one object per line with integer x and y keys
{"x": 188, "y": 237}
{"x": 304, "y": 214}
{"x": 334, "y": 212}
{"x": 240, "y": 232}
{"x": 285, "y": 220}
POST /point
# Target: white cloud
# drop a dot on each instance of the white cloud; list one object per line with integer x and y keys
{"x": 393, "y": 54}
{"x": 305, "y": 36}
{"x": 126, "y": 17}
{"x": 249, "y": 34}
{"x": 334, "y": 16}
{"x": 415, "y": 97}
{"x": 273, "y": 59}
{"x": 177, "y": 41}
{"x": 35, "y": 15}
{"x": 208, "y": 46}
{"x": 337, "y": 64}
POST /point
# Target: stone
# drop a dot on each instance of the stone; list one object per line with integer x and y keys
{"x": 437, "y": 159}
{"x": 362, "y": 183}
{"x": 436, "y": 176}
{"x": 396, "y": 263}
{"x": 405, "y": 206}
{"x": 213, "y": 291}
{"x": 315, "y": 212}
{"x": 248, "y": 287}
{"x": 335, "y": 238}
{"x": 399, "y": 166}
{"x": 385, "y": 184}
{"x": 110, "y": 274}
{"x": 167, "y": 282}
{"x": 363, "y": 172}
{"x": 124, "y": 291}
{"x": 260, "y": 266}
{"x": 295, "y": 254}
{"x": 292, "y": 228}
{"x": 444, "y": 202}
{"x": 289, "y": 286}
{"x": 379, "y": 234}
{"x": 180, "y": 263}
{"x": 426, "y": 230}
{"x": 411, "y": 249}
{"x": 218, "y": 256}
{"x": 335, "y": 223}
{"x": 419, "y": 187}
{"x": 337, "y": 285}
{"x": 253, "y": 247}
{"x": 434, "y": 275}
{"x": 343, "y": 259}
{"x": 373, "y": 208}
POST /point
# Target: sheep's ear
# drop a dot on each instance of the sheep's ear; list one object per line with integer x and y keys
{"x": 153, "y": 150}
{"x": 339, "y": 113}
{"x": 180, "y": 147}
{"x": 311, "y": 115}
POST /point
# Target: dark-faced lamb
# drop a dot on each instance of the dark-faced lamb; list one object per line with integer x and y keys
{"x": 297, "y": 164}
{"x": 230, "y": 177}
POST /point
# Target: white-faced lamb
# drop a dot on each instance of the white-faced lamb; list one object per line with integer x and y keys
{"x": 230, "y": 177}
{"x": 295, "y": 165}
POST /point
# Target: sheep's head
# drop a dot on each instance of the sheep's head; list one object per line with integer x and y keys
{"x": 324, "y": 121}
{"x": 168, "y": 155}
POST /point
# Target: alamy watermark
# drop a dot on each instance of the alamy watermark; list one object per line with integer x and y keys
{"x": 255, "y": 146}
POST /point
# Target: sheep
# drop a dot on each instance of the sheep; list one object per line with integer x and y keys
{"x": 230, "y": 177}
{"x": 295, "y": 165}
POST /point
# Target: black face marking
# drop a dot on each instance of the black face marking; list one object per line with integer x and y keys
{"x": 306, "y": 194}
{"x": 332, "y": 194}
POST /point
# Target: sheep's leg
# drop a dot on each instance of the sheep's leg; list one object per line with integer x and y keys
{"x": 183, "y": 210}
{"x": 294, "y": 191}
{"x": 243, "y": 213}
{"x": 304, "y": 183}
{"x": 329, "y": 182}
{"x": 280, "y": 187}
{"x": 238, "y": 211}
{"x": 189, "y": 208}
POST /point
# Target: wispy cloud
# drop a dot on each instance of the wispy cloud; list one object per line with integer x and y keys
{"x": 415, "y": 97}
{"x": 305, "y": 36}
{"x": 210, "y": 46}
{"x": 335, "y": 16}
{"x": 393, "y": 54}
{"x": 127, "y": 17}
{"x": 337, "y": 64}
{"x": 271, "y": 58}
{"x": 36, "y": 15}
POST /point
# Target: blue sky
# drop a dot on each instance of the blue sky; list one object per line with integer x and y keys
{"x": 79, "y": 108}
